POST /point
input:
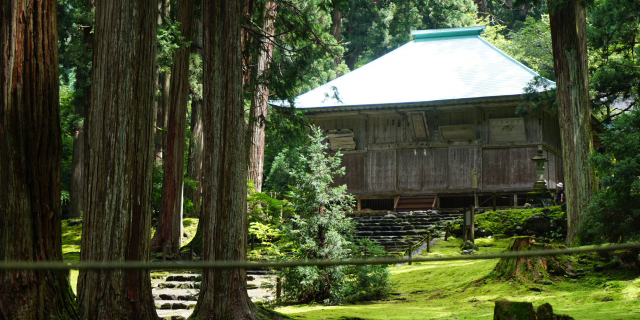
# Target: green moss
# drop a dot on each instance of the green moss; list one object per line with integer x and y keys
{"x": 498, "y": 222}
{"x": 461, "y": 290}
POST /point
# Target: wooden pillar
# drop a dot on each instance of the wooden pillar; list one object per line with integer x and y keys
{"x": 359, "y": 204}
{"x": 494, "y": 201}
{"x": 472, "y": 225}
{"x": 429, "y": 241}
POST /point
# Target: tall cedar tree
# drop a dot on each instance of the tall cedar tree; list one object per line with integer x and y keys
{"x": 259, "y": 102}
{"x": 568, "y": 29}
{"x": 117, "y": 221}
{"x": 169, "y": 232}
{"x": 194, "y": 167}
{"x": 223, "y": 294}
{"x": 163, "y": 79}
{"x": 30, "y": 156}
{"x": 81, "y": 100}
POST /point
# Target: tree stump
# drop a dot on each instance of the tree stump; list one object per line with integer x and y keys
{"x": 532, "y": 269}
{"x": 509, "y": 310}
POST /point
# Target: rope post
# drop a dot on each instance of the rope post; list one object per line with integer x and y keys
{"x": 278, "y": 289}
{"x": 410, "y": 254}
{"x": 164, "y": 252}
{"x": 429, "y": 241}
{"x": 447, "y": 231}
{"x": 473, "y": 227}
{"x": 494, "y": 201}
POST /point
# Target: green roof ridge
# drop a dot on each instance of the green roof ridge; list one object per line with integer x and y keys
{"x": 448, "y": 32}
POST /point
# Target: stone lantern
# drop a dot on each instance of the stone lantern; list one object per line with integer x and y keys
{"x": 540, "y": 196}
{"x": 540, "y": 160}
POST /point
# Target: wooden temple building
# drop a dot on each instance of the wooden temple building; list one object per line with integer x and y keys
{"x": 433, "y": 124}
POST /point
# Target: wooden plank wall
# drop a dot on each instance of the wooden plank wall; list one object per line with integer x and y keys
{"x": 354, "y": 173}
{"x": 380, "y": 171}
{"x": 436, "y": 170}
{"x": 508, "y": 168}
{"x": 390, "y": 129}
{"x": 495, "y": 161}
{"x": 410, "y": 168}
{"x": 523, "y": 170}
{"x": 461, "y": 162}
{"x": 551, "y": 131}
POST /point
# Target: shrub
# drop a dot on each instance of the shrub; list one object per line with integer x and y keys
{"x": 614, "y": 212}
{"x": 320, "y": 230}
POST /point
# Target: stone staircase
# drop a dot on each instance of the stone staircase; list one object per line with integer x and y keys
{"x": 176, "y": 295}
{"x": 397, "y": 231}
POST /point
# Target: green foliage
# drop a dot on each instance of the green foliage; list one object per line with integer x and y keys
{"x": 168, "y": 40}
{"x": 614, "y": 212}
{"x": 304, "y": 52}
{"x": 372, "y": 29}
{"x": 531, "y": 46}
{"x": 69, "y": 121}
{"x": 286, "y": 134}
{"x": 319, "y": 229}
{"x": 265, "y": 209}
{"x": 614, "y": 62}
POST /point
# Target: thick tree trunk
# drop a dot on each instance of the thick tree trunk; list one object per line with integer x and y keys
{"x": 169, "y": 231}
{"x": 81, "y": 102}
{"x": 482, "y": 7}
{"x": 259, "y": 104}
{"x": 248, "y": 44}
{"x": 30, "y": 156}
{"x": 195, "y": 155}
{"x": 117, "y": 221}
{"x": 336, "y": 22}
{"x": 223, "y": 294}
{"x": 162, "y": 103}
{"x": 76, "y": 192}
{"x": 568, "y": 28}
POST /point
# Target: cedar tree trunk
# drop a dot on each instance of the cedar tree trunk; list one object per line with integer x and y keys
{"x": 336, "y": 21}
{"x": 30, "y": 156}
{"x": 259, "y": 103}
{"x": 195, "y": 155}
{"x": 223, "y": 294}
{"x": 169, "y": 231}
{"x": 117, "y": 221}
{"x": 83, "y": 84}
{"x": 568, "y": 28}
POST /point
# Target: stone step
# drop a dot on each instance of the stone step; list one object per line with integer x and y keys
{"x": 178, "y": 314}
{"x": 184, "y": 277}
{"x": 179, "y": 285}
{"x": 176, "y": 294}
{"x": 175, "y": 304}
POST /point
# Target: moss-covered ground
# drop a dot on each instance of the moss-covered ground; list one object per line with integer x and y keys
{"x": 460, "y": 289}
{"x": 465, "y": 290}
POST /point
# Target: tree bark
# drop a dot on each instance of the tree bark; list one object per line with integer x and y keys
{"x": 169, "y": 231}
{"x": 117, "y": 221}
{"x": 162, "y": 102}
{"x": 223, "y": 294}
{"x": 482, "y": 7}
{"x": 259, "y": 103}
{"x": 195, "y": 155}
{"x": 336, "y": 22}
{"x": 30, "y": 157}
{"x": 568, "y": 28}
{"x": 81, "y": 102}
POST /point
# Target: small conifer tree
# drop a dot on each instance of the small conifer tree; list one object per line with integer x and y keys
{"x": 320, "y": 229}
